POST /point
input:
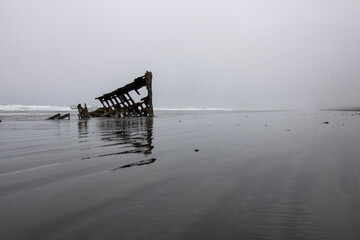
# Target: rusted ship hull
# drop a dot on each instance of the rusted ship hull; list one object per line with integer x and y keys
{"x": 120, "y": 103}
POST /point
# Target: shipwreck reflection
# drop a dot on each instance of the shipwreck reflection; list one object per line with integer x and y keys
{"x": 139, "y": 163}
{"x": 132, "y": 135}
{"x": 106, "y": 137}
{"x": 83, "y": 129}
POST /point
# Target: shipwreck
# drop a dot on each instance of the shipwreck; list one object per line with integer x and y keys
{"x": 122, "y": 102}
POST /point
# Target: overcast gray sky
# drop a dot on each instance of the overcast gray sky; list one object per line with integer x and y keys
{"x": 203, "y": 53}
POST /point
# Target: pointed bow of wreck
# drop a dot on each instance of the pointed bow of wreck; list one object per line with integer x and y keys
{"x": 120, "y": 103}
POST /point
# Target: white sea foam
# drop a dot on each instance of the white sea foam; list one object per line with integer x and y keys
{"x": 203, "y": 109}
{"x": 191, "y": 109}
{"x": 20, "y": 107}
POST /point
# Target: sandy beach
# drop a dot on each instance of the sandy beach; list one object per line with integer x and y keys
{"x": 181, "y": 175}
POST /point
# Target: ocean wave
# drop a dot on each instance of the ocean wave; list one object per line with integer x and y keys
{"x": 20, "y": 107}
{"x": 204, "y": 109}
{"x": 192, "y": 109}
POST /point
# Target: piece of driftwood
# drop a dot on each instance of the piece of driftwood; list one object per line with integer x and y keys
{"x": 58, "y": 116}
{"x": 119, "y": 103}
{"x": 65, "y": 116}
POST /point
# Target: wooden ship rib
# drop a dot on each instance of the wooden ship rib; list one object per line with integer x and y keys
{"x": 119, "y": 102}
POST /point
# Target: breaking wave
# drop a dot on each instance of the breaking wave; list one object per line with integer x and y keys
{"x": 204, "y": 109}
{"x": 20, "y": 107}
{"x": 192, "y": 109}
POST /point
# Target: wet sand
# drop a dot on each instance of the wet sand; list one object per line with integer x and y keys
{"x": 256, "y": 175}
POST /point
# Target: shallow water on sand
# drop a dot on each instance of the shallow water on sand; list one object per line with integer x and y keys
{"x": 181, "y": 175}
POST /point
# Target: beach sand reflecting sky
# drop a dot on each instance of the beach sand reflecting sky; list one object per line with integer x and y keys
{"x": 181, "y": 175}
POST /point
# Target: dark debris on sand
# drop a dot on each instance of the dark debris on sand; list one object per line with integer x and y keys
{"x": 59, "y": 117}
